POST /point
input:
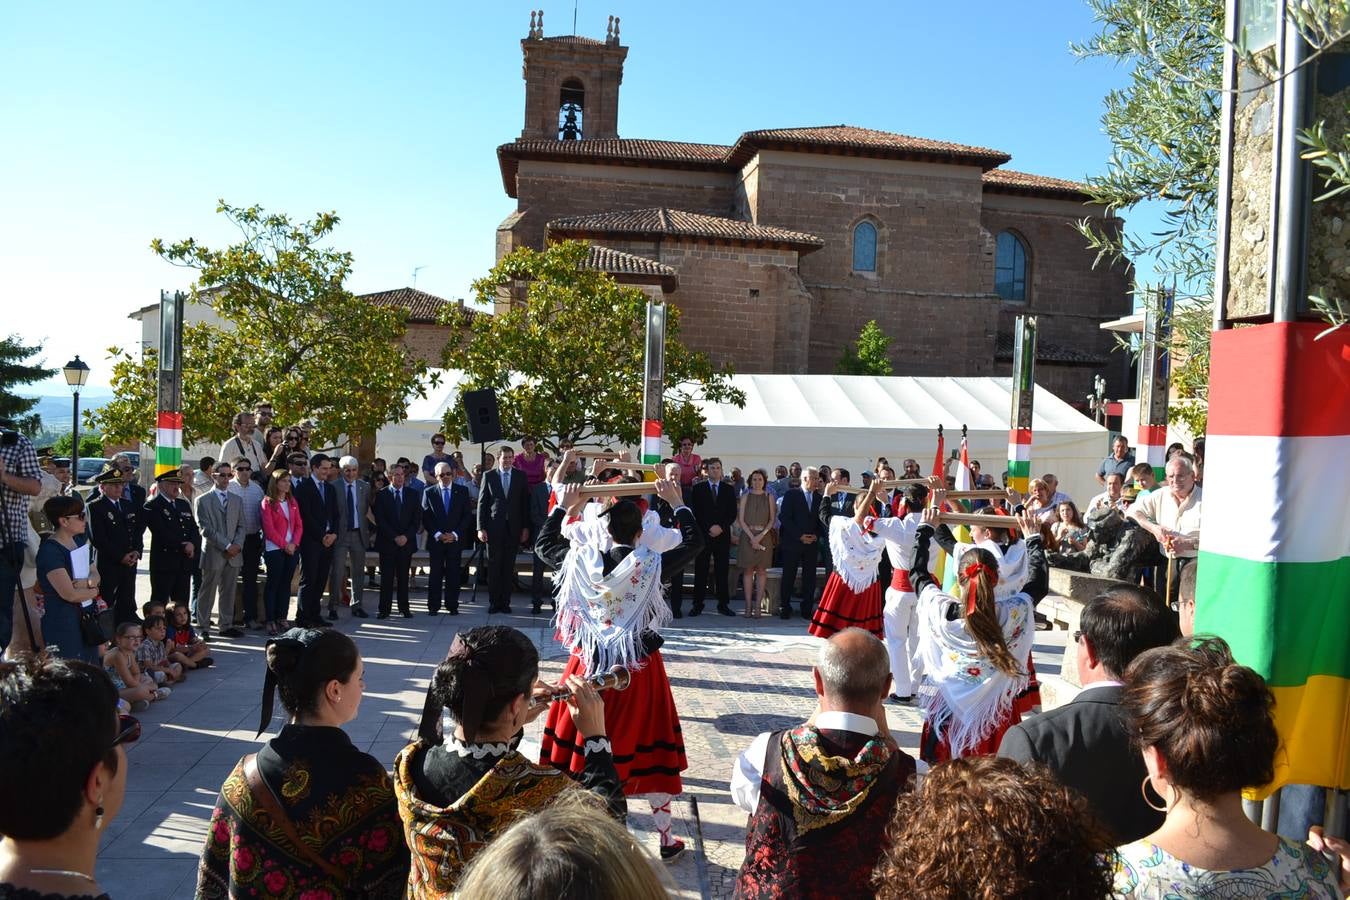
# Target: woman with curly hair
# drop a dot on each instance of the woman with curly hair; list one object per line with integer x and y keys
{"x": 1205, "y": 726}
{"x": 986, "y": 828}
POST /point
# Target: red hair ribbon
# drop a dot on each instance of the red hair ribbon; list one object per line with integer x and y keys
{"x": 642, "y": 505}
{"x": 972, "y": 576}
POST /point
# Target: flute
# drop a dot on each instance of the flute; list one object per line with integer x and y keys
{"x": 617, "y": 678}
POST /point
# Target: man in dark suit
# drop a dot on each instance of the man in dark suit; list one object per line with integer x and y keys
{"x": 538, "y": 502}
{"x": 116, "y": 531}
{"x": 447, "y": 516}
{"x": 1086, "y": 742}
{"x": 799, "y": 538}
{"x": 714, "y": 505}
{"x": 175, "y": 542}
{"x": 503, "y": 525}
{"x": 321, "y": 517}
{"x": 398, "y": 513}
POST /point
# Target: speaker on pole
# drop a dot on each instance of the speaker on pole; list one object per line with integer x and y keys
{"x": 480, "y": 408}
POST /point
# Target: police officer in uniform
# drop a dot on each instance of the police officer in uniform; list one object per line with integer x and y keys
{"x": 116, "y": 531}
{"x": 175, "y": 542}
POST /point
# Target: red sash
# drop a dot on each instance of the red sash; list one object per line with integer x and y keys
{"x": 900, "y": 581}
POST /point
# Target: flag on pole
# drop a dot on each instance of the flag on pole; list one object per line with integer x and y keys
{"x": 964, "y": 480}
{"x": 1274, "y": 576}
{"x": 963, "y": 476}
{"x": 940, "y": 559}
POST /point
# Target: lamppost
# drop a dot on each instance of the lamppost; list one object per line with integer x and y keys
{"x": 77, "y": 373}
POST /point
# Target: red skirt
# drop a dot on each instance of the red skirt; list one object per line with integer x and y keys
{"x": 642, "y": 726}
{"x": 1030, "y": 698}
{"x": 933, "y": 748}
{"x": 841, "y": 608}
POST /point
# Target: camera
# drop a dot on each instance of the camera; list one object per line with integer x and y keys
{"x": 8, "y": 437}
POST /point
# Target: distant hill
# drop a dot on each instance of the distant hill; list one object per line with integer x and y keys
{"x": 55, "y": 409}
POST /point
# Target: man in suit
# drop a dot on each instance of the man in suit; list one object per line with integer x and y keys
{"x": 319, "y": 514}
{"x": 397, "y": 517}
{"x": 220, "y": 515}
{"x": 715, "y": 506}
{"x": 349, "y": 550}
{"x": 538, "y": 503}
{"x": 116, "y": 531}
{"x": 447, "y": 516}
{"x": 799, "y": 538}
{"x": 1086, "y": 742}
{"x": 175, "y": 542}
{"x": 503, "y": 525}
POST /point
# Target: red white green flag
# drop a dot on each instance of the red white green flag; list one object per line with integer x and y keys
{"x": 168, "y": 442}
{"x": 1274, "y": 576}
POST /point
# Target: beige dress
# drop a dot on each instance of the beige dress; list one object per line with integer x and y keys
{"x": 759, "y": 511}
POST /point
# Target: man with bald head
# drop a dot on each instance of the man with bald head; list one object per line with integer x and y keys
{"x": 820, "y": 795}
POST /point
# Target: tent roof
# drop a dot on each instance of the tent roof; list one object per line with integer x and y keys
{"x": 855, "y": 401}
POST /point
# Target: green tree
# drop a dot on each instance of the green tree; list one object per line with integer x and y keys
{"x": 568, "y": 362}
{"x": 91, "y": 445}
{"x": 867, "y": 355}
{"x": 14, "y": 370}
{"x": 291, "y": 334}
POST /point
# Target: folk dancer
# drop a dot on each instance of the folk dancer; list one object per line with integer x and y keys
{"x": 852, "y": 595}
{"x": 610, "y": 611}
{"x": 899, "y": 613}
{"x": 973, "y": 647}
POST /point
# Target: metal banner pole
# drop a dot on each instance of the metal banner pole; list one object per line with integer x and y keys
{"x": 1023, "y": 396}
{"x": 169, "y": 421}
{"x": 1155, "y": 371}
{"x": 653, "y": 382}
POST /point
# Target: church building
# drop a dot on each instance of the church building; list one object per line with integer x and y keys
{"x": 779, "y": 247}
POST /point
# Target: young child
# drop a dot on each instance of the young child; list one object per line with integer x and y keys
{"x": 152, "y": 608}
{"x": 133, "y": 685}
{"x": 153, "y": 653}
{"x": 185, "y": 647}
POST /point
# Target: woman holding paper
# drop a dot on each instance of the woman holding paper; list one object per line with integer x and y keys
{"x": 66, "y": 579}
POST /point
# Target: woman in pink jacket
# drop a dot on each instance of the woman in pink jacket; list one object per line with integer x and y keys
{"x": 282, "y": 528}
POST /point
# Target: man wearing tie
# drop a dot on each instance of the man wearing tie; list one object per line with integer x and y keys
{"x": 447, "y": 516}
{"x": 349, "y": 551}
{"x": 397, "y": 516}
{"x": 714, "y": 507}
{"x": 798, "y": 523}
{"x": 503, "y": 525}
{"x": 220, "y": 515}
{"x": 116, "y": 531}
{"x": 319, "y": 516}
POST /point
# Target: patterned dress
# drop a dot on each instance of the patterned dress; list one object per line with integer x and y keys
{"x": 1146, "y": 871}
{"x": 341, "y": 804}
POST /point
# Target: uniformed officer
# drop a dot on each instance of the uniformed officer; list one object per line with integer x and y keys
{"x": 175, "y": 541}
{"x": 116, "y": 530}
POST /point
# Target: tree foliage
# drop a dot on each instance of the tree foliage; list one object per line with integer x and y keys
{"x": 15, "y": 370}
{"x": 568, "y": 362}
{"x": 290, "y": 333}
{"x": 91, "y": 445}
{"x": 868, "y": 354}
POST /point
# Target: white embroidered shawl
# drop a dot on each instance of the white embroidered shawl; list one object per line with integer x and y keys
{"x": 972, "y": 694}
{"x": 855, "y": 553}
{"x": 592, "y": 530}
{"x": 602, "y": 616}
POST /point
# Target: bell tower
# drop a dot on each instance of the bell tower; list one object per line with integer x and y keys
{"x": 571, "y": 84}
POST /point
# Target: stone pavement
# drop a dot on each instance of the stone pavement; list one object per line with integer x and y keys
{"x": 732, "y": 678}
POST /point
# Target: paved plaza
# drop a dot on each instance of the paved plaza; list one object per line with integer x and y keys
{"x": 732, "y": 678}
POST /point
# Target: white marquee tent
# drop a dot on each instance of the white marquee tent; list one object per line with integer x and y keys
{"x": 847, "y": 420}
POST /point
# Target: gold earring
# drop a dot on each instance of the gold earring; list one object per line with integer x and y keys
{"x": 1143, "y": 788}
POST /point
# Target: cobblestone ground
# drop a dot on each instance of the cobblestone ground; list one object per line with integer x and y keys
{"x": 732, "y": 678}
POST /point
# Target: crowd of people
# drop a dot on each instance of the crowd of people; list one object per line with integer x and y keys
{"x": 1131, "y": 790}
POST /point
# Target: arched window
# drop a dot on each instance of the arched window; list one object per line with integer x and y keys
{"x": 1010, "y": 268}
{"x": 571, "y": 110}
{"x": 864, "y": 247}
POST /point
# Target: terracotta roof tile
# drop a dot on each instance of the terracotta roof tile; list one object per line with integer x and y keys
{"x": 661, "y": 221}
{"x": 1010, "y": 181}
{"x": 572, "y": 39}
{"x": 1048, "y": 352}
{"x": 863, "y": 142}
{"x": 631, "y": 268}
{"x": 421, "y": 306}
{"x": 617, "y": 151}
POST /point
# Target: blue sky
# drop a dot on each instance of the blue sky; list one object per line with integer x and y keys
{"x": 126, "y": 122}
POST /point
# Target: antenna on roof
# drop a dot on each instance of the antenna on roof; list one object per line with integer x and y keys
{"x": 416, "y": 269}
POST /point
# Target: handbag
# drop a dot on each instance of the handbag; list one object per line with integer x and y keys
{"x": 96, "y": 623}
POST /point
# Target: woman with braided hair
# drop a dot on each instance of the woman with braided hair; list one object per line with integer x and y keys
{"x": 974, "y": 647}
{"x": 456, "y": 792}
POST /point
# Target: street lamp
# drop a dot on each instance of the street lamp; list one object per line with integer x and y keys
{"x": 77, "y": 373}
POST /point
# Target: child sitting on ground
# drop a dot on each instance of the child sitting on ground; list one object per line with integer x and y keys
{"x": 186, "y": 647}
{"x": 153, "y": 608}
{"x": 133, "y": 685}
{"x": 153, "y": 653}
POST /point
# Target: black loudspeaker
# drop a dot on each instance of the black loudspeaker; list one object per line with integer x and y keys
{"x": 480, "y": 408}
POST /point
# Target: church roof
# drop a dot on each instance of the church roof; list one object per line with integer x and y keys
{"x": 630, "y": 268}
{"x": 660, "y": 221}
{"x": 851, "y": 140}
{"x": 1048, "y": 352}
{"x": 573, "y": 39}
{"x": 1008, "y": 181}
{"x": 615, "y": 151}
{"x": 423, "y": 308}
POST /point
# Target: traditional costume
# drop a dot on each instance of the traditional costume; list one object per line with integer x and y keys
{"x": 968, "y": 701}
{"x": 610, "y": 610}
{"x": 899, "y": 616}
{"x": 852, "y": 595}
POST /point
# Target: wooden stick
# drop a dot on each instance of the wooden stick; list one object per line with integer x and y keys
{"x": 634, "y": 466}
{"x": 977, "y": 495}
{"x": 637, "y": 489}
{"x": 901, "y": 482}
{"x": 595, "y": 454}
{"x": 984, "y": 521}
